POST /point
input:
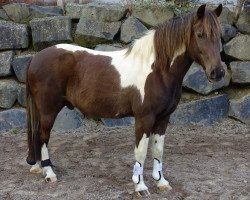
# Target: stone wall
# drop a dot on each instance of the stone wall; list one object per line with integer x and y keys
{"x": 25, "y": 29}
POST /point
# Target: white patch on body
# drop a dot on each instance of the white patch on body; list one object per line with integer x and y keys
{"x": 178, "y": 53}
{"x": 134, "y": 67}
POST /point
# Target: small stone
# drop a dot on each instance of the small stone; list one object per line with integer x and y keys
{"x": 50, "y": 30}
{"x": 23, "y": 13}
{"x": 238, "y": 47}
{"x": 153, "y": 16}
{"x": 240, "y": 72}
{"x": 68, "y": 119}
{"x": 5, "y": 63}
{"x": 13, "y": 35}
{"x": 126, "y": 121}
{"x": 108, "y": 47}
{"x": 89, "y": 33}
{"x": 240, "y": 108}
{"x": 96, "y": 11}
{"x": 13, "y": 118}
{"x": 228, "y": 32}
{"x": 21, "y": 96}
{"x": 3, "y": 15}
{"x": 20, "y": 65}
{"x": 243, "y": 23}
{"x": 8, "y": 93}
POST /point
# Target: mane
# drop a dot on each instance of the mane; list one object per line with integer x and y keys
{"x": 143, "y": 48}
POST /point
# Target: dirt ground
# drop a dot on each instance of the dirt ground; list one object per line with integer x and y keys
{"x": 95, "y": 162}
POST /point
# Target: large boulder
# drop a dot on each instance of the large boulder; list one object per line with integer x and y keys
{"x": 238, "y": 47}
{"x": 228, "y": 32}
{"x": 243, "y": 23}
{"x": 108, "y": 47}
{"x": 153, "y": 16}
{"x": 8, "y": 93}
{"x": 13, "y": 35}
{"x": 240, "y": 72}
{"x": 96, "y": 11}
{"x": 20, "y": 65}
{"x": 21, "y": 95}
{"x": 12, "y": 119}
{"x": 23, "y": 13}
{"x": 68, "y": 119}
{"x": 196, "y": 79}
{"x": 50, "y": 30}
{"x": 132, "y": 29}
{"x": 201, "y": 112}
{"x": 240, "y": 108}
{"x": 89, "y": 33}
{"x": 5, "y": 63}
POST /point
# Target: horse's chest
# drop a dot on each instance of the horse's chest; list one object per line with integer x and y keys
{"x": 171, "y": 99}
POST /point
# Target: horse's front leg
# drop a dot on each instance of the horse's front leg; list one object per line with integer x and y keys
{"x": 157, "y": 153}
{"x": 143, "y": 128}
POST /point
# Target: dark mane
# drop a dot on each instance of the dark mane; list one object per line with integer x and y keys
{"x": 174, "y": 35}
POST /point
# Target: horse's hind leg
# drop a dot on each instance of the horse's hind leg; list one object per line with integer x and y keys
{"x": 46, "y": 125}
{"x": 48, "y": 104}
{"x": 157, "y": 153}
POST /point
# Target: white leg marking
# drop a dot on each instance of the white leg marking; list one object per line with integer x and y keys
{"x": 157, "y": 151}
{"x": 36, "y": 168}
{"x": 140, "y": 156}
{"x": 47, "y": 171}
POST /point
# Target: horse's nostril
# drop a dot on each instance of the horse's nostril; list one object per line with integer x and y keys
{"x": 213, "y": 74}
{"x": 217, "y": 74}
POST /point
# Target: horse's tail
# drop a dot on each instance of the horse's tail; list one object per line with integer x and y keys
{"x": 33, "y": 127}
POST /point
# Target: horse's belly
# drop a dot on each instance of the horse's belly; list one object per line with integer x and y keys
{"x": 100, "y": 104}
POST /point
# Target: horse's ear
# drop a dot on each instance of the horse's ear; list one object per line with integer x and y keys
{"x": 201, "y": 11}
{"x": 218, "y": 10}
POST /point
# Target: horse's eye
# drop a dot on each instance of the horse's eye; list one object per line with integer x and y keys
{"x": 200, "y": 34}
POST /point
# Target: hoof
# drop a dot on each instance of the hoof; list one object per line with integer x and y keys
{"x": 165, "y": 187}
{"x": 50, "y": 179}
{"x": 36, "y": 169}
{"x": 143, "y": 193}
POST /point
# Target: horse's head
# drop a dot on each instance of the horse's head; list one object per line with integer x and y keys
{"x": 204, "y": 43}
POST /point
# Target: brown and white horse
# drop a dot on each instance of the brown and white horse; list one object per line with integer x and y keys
{"x": 143, "y": 81}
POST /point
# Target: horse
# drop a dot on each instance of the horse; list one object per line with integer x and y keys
{"x": 143, "y": 80}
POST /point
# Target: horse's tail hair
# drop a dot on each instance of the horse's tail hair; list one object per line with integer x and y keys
{"x": 33, "y": 124}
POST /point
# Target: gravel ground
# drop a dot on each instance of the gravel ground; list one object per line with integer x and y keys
{"x": 95, "y": 162}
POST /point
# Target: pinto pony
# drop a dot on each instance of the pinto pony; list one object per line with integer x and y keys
{"x": 143, "y": 81}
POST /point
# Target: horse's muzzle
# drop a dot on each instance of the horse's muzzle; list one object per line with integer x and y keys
{"x": 217, "y": 74}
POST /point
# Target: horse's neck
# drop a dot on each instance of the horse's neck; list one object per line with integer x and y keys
{"x": 179, "y": 68}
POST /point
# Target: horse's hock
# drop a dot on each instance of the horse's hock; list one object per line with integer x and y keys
{"x": 108, "y": 27}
